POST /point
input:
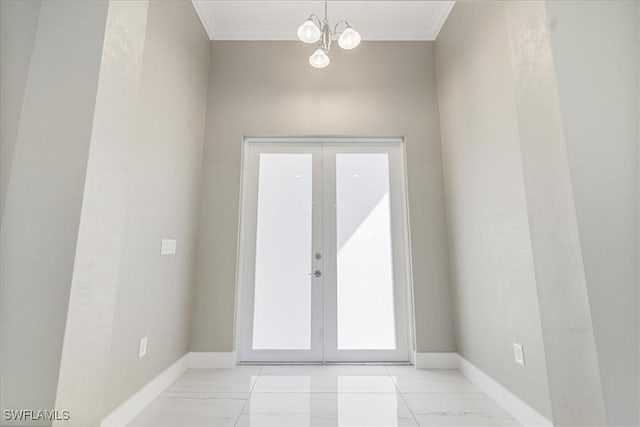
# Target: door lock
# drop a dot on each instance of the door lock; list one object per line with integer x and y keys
{"x": 316, "y": 273}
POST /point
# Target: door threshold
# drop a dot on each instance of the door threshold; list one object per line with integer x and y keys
{"x": 324, "y": 364}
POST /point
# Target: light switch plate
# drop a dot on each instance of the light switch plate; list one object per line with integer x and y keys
{"x": 168, "y": 247}
{"x": 518, "y": 354}
{"x": 142, "y": 348}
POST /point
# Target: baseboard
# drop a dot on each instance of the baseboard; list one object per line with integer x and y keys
{"x": 211, "y": 360}
{"x": 435, "y": 360}
{"x": 126, "y": 412}
{"x": 516, "y": 407}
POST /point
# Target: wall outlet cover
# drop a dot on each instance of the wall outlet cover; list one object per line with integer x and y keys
{"x": 518, "y": 354}
{"x": 142, "y": 348}
{"x": 168, "y": 247}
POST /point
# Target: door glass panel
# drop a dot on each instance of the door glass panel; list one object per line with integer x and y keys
{"x": 282, "y": 299}
{"x": 366, "y": 318}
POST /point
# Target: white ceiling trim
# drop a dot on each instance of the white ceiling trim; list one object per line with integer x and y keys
{"x": 440, "y": 19}
{"x": 268, "y": 33}
{"x": 395, "y": 20}
{"x": 206, "y": 17}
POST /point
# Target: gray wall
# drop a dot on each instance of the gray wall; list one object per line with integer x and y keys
{"x": 268, "y": 88}
{"x": 142, "y": 185}
{"x": 18, "y": 22}
{"x": 107, "y": 163}
{"x": 551, "y": 103}
{"x": 94, "y": 283}
{"x": 45, "y": 189}
{"x": 494, "y": 286}
{"x": 597, "y": 77}
{"x": 565, "y": 315}
{"x": 165, "y": 157}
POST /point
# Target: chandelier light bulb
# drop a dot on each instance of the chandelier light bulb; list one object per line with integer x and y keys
{"x": 349, "y": 39}
{"x": 309, "y": 32}
{"x": 319, "y": 59}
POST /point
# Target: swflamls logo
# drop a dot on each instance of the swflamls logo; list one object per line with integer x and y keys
{"x": 36, "y": 415}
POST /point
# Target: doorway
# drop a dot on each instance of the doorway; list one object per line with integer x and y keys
{"x": 324, "y": 251}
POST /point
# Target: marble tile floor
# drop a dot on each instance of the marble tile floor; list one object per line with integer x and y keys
{"x": 322, "y": 395}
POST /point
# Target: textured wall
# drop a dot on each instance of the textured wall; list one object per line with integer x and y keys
{"x": 44, "y": 196}
{"x": 565, "y": 314}
{"x": 19, "y": 21}
{"x": 94, "y": 284}
{"x": 106, "y": 163}
{"x": 544, "y": 97}
{"x": 143, "y": 185}
{"x": 597, "y": 77}
{"x": 494, "y": 284}
{"x": 163, "y": 197}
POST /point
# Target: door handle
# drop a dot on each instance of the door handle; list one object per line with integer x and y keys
{"x": 316, "y": 273}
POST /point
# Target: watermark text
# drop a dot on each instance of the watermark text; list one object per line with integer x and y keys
{"x": 36, "y": 415}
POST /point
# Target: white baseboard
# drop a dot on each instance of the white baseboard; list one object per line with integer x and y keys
{"x": 126, "y": 412}
{"x": 211, "y": 360}
{"x": 516, "y": 407}
{"x": 435, "y": 360}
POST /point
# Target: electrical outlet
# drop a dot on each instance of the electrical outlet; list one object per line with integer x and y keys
{"x": 518, "y": 354}
{"x": 168, "y": 247}
{"x": 142, "y": 348}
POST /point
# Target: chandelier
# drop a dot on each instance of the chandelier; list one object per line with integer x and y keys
{"x": 316, "y": 30}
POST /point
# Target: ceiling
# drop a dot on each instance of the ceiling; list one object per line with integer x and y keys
{"x": 279, "y": 20}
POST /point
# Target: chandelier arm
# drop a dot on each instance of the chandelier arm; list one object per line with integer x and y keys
{"x": 335, "y": 28}
{"x": 316, "y": 20}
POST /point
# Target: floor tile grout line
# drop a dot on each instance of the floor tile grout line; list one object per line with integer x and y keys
{"x": 409, "y": 408}
{"x": 403, "y": 398}
{"x": 235, "y": 423}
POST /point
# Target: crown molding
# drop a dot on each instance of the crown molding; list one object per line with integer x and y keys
{"x": 279, "y": 21}
{"x": 440, "y": 18}
{"x": 206, "y": 17}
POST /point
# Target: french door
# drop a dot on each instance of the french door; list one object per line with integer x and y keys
{"x": 323, "y": 263}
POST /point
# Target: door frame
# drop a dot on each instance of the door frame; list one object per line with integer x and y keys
{"x": 244, "y": 266}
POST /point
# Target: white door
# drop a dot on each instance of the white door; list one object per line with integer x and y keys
{"x": 324, "y": 253}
